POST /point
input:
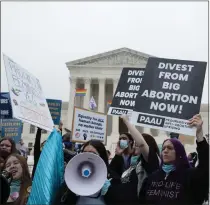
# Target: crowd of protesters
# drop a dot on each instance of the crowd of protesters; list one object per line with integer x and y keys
{"x": 137, "y": 174}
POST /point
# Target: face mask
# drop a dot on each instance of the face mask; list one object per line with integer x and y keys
{"x": 105, "y": 187}
{"x": 134, "y": 160}
{"x": 123, "y": 144}
{"x": 167, "y": 168}
{"x": 4, "y": 153}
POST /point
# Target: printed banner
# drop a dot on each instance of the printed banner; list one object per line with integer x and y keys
{"x": 55, "y": 110}
{"x": 6, "y": 108}
{"x": 124, "y": 99}
{"x": 11, "y": 128}
{"x": 88, "y": 125}
{"x": 170, "y": 95}
{"x": 27, "y": 98}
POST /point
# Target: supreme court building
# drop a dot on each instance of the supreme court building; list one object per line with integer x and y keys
{"x": 99, "y": 74}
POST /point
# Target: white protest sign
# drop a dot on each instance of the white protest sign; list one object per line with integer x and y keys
{"x": 88, "y": 125}
{"x": 27, "y": 98}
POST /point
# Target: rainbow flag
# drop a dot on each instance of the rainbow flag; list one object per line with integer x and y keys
{"x": 109, "y": 103}
{"x": 80, "y": 92}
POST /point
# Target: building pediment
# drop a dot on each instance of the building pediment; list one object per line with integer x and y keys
{"x": 123, "y": 56}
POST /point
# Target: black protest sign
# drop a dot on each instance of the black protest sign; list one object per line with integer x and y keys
{"x": 170, "y": 93}
{"x": 126, "y": 92}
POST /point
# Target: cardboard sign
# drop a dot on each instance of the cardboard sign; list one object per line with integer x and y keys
{"x": 88, "y": 125}
{"x": 55, "y": 110}
{"x": 170, "y": 95}
{"x": 6, "y": 108}
{"x": 11, "y": 128}
{"x": 27, "y": 98}
{"x": 124, "y": 99}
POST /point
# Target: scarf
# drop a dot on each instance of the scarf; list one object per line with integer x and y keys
{"x": 167, "y": 168}
{"x": 15, "y": 189}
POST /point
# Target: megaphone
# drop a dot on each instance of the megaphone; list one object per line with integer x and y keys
{"x": 85, "y": 174}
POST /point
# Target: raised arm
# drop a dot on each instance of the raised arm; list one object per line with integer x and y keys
{"x": 202, "y": 145}
{"x": 138, "y": 138}
{"x": 199, "y": 177}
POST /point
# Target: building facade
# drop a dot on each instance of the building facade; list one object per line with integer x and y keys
{"x": 99, "y": 74}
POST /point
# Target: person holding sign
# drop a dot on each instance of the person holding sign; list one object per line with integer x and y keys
{"x": 176, "y": 183}
{"x": 123, "y": 153}
{"x": 144, "y": 161}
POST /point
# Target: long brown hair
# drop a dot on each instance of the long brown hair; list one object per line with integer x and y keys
{"x": 13, "y": 146}
{"x": 25, "y": 180}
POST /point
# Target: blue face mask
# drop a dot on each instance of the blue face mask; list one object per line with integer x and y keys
{"x": 123, "y": 144}
{"x": 105, "y": 187}
{"x": 134, "y": 160}
{"x": 167, "y": 168}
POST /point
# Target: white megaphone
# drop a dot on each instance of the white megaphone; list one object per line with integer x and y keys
{"x": 85, "y": 174}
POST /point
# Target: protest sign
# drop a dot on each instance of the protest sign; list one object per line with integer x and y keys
{"x": 88, "y": 125}
{"x": 11, "y": 128}
{"x": 5, "y": 104}
{"x": 27, "y": 98}
{"x": 170, "y": 95}
{"x": 126, "y": 92}
{"x": 55, "y": 110}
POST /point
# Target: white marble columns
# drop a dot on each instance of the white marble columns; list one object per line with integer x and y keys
{"x": 115, "y": 119}
{"x": 101, "y": 95}
{"x": 101, "y": 104}
{"x": 87, "y": 85}
{"x": 158, "y": 133}
{"x": 71, "y": 101}
{"x": 147, "y": 130}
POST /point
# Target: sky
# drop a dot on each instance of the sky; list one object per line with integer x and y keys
{"x": 43, "y": 36}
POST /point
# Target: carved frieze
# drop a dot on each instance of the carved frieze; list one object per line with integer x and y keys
{"x": 87, "y": 80}
{"x": 123, "y": 58}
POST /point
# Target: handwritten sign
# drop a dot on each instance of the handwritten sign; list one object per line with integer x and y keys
{"x": 6, "y": 108}
{"x": 12, "y": 128}
{"x": 88, "y": 125}
{"x": 27, "y": 98}
{"x": 55, "y": 110}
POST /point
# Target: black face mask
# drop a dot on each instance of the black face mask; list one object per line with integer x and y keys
{"x": 4, "y": 154}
